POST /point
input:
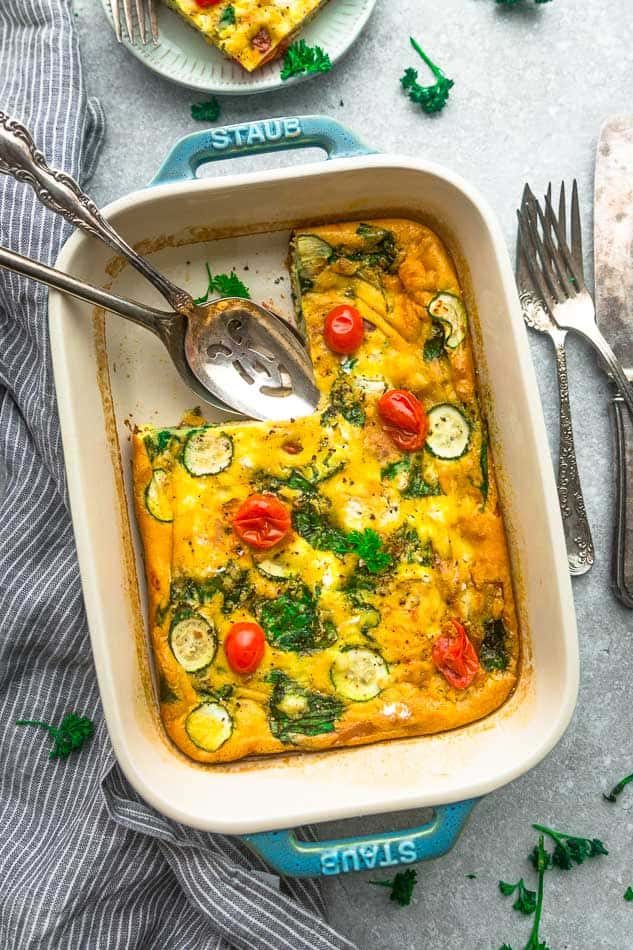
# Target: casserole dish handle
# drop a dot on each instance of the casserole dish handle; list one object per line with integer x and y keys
{"x": 256, "y": 138}
{"x": 375, "y": 852}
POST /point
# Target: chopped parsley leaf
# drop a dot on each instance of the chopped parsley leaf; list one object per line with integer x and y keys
{"x": 300, "y": 59}
{"x": 206, "y": 111}
{"x": 224, "y": 285}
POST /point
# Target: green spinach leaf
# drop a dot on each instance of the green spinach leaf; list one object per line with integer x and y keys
{"x": 227, "y": 18}
{"x": 292, "y": 621}
{"x": 435, "y": 345}
{"x": 347, "y": 401}
{"x": 296, "y": 711}
{"x": 493, "y": 653}
{"x": 406, "y": 545}
{"x": 417, "y": 486}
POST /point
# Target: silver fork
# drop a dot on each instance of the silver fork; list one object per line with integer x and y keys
{"x": 143, "y": 11}
{"x": 578, "y": 540}
{"x": 561, "y": 285}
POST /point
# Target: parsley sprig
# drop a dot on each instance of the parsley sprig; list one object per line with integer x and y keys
{"x": 431, "y": 98}
{"x": 73, "y": 731}
{"x": 618, "y": 789}
{"x": 368, "y": 545}
{"x": 534, "y": 943}
{"x": 401, "y": 886}
{"x": 301, "y": 58}
{"x": 224, "y": 285}
{"x": 568, "y": 849}
{"x": 542, "y": 864}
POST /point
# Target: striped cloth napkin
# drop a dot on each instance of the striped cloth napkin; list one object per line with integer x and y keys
{"x": 84, "y": 863}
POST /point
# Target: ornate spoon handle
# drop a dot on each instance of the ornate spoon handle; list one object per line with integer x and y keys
{"x": 155, "y": 320}
{"x": 580, "y": 551}
{"x": 60, "y": 193}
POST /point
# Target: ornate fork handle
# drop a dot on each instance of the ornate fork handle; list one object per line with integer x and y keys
{"x": 60, "y": 193}
{"x": 580, "y": 551}
{"x": 623, "y": 547}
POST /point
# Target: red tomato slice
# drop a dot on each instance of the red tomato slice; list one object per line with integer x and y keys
{"x": 344, "y": 330}
{"x": 208, "y": 3}
{"x": 454, "y": 655}
{"x": 262, "y": 521}
{"x": 404, "y": 419}
{"x": 244, "y": 646}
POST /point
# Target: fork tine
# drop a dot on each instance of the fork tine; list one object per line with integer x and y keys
{"x": 524, "y": 278}
{"x": 140, "y": 17}
{"x": 547, "y": 231}
{"x": 578, "y": 280}
{"x": 555, "y": 258}
{"x": 561, "y": 284}
{"x": 530, "y": 257}
{"x": 562, "y": 208}
{"x": 153, "y": 21}
{"x": 548, "y": 193}
{"x": 523, "y": 275}
{"x": 116, "y": 16}
{"x": 576, "y": 230}
{"x": 129, "y": 20}
{"x": 545, "y": 249}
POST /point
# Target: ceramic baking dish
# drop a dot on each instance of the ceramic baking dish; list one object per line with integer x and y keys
{"x": 110, "y": 375}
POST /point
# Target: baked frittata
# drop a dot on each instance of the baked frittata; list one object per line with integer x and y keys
{"x": 342, "y": 578}
{"x": 251, "y": 32}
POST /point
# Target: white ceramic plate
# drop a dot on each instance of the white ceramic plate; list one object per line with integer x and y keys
{"x": 183, "y": 56}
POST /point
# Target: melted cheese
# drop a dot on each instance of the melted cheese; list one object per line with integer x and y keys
{"x": 461, "y": 568}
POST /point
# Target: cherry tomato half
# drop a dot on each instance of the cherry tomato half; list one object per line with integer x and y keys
{"x": 343, "y": 329}
{"x": 208, "y": 3}
{"x": 244, "y": 646}
{"x": 262, "y": 521}
{"x": 404, "y": 418}
{"x": 454, "y": 655}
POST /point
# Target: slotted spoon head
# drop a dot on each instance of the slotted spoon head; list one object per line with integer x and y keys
{"x": 250, "y": 359}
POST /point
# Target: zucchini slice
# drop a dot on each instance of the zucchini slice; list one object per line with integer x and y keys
{"x": 449, "y": 432}
{"x": 450, "y": 310}
{"x": 313, "y": 255}
{"x": 193, "y": 641}
{"x": 156, "y": 500}
{"x": 207, "y": 452}
{"x": 274, "y": 570}
{"x": 209, "y": 725}
{"x": 358, "y": 674}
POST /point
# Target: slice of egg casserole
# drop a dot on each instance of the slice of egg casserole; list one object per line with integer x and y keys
{"x": 250, "y": 32}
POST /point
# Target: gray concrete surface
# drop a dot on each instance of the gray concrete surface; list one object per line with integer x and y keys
{"x": 532, "y": 86}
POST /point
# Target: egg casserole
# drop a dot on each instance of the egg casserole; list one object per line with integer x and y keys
{"x": 385, "y": 608}
{"x": 250, "y": 32}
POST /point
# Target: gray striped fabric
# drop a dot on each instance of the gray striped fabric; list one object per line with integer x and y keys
{"x": 83, "y": 862}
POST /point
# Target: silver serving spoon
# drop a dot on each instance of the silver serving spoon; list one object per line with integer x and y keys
{"x": 233, "y": 353}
